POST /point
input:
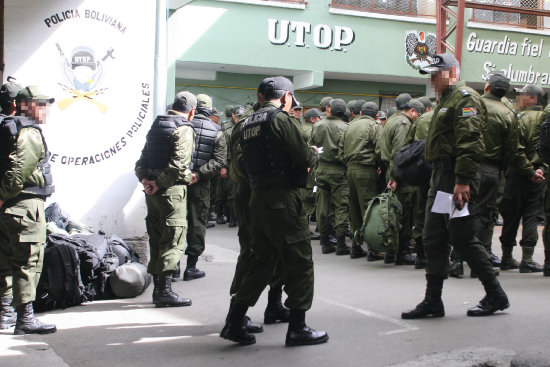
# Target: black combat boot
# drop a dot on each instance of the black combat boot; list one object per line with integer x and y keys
{"x": 528, "y": 265}
{"x": 507, "y": 261}
{"x": 546, "y": 269}
{"x": 389, "y": 258}
{"x": 315, "y": 236}
{"x": 275, "y": 311}
{"x": 219, "y": 213}
{"x": 356, "y": 251}
{"x": 232, "y": 219}
{"x": 341, "y": 247}
{"x": 326, "y": 246}
{"x": 456, "y": 268}
{"x": 156, "y": 287}
{"x": 373, "y": 255}
{"x": 28, "y": 324}
{"x": 432, "y": 305}
{"x": 494, "y": 259}
{"x": 176, "y": 275}
{"x": 235, "y": 325}
{"x": 420, "y": 261}
{"x": 300, "y": 334}
{"x": 8, "y": 317}
{"x": 167, "y": 297}
{"x": 494, "y": 300}
{"x": 191, "y": 272}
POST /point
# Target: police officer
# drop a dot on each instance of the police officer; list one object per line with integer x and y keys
{"x": 381, "y": 117}
{"x": 455, "y": 147}
{"x": 226, "y": 186}
{"x": 355, "y": 109}
{"x": 297, "y": 112}
{"x": 8, "y": 92}
{"x": 330, "y": 177}
{"x": 163, "y": 169}
{"x": 523, "y": 192}
{"x": 25, "y": 183}
{"x": 360, "y": 151}
{"x": 275, "y": 311}
{"x": 419, "y": 131}
{"x": 393, "y": 138}
{"x": 208, "y": 158}
{"x": 324, "y": 103}
{"x": 276, "y": 157}
{"x": 311, "y": 117}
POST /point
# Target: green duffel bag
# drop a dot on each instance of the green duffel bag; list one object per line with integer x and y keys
{"x": 381, "y": 223}
{"x": 129, "y": 280}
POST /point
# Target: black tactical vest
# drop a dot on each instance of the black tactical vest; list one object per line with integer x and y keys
{"x": 157, "y": 154}
{"x": 9, "y": 130}
{"x": 263, "y": 158}
{"x": 205, "y": 138}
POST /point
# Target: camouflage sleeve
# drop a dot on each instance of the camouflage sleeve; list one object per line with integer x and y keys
{"x": 398, "y": 140}
{"x": 218, "y": 160}
{"x": 514, "y": 149}
{"x": 295, "y": 145}
{"x": 182, "y": 143}
{"x": 469, "y": 146}
{"x": 22, "y": 162}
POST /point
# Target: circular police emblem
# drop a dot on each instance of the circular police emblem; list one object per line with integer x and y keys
{"x": 419, "y": 47}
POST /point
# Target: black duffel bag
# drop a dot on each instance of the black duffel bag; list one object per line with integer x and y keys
{"x": 411, "y": 166}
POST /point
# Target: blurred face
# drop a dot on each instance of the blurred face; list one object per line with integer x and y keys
{"x": 37, "y": 111}
{"x": 216, "y": 119}
{"x": 526, "y": 100}
{"x": 287, "y": 102}
{"x": 297, "y": 113}
{"x": 443, "y": 79}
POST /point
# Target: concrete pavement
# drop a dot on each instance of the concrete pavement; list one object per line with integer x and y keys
{"x": 358, "y": 303}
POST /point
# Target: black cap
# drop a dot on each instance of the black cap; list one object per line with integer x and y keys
{"x": 280, "y": 83}
{"x": 184, "y": 101}
{"x": 440, "y": 62}
{"x": 356, "y": 108}
{"x": 427, "y": 102}
{"x": 369, "y": 109}
{"x": 402, "y": 100}
{"x": 324, "y": 102}
{"x": 312, "y": 112}
{"x": 298, "y": 106}
{"x": 9, "y": 91}
{"x": 498, "y": 83}
{"x": 338, "y": 107}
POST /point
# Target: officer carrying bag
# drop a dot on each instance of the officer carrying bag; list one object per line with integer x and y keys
{"x": 411, "y": 166}
{"x": 543, "y": 148}
{"x": 381, "y": 223}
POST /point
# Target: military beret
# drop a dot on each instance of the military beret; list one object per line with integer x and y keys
{"x": 369, "y": 109}
{"x": 402, "y": 100}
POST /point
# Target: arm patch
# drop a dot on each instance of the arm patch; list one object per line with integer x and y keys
{"x": 469, "y": 111}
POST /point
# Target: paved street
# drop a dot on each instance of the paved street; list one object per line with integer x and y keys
{"x": 358, "y": 303}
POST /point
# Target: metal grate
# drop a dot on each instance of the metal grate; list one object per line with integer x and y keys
{"x": 395, "y": 7}
{"x": 514, "y": 19}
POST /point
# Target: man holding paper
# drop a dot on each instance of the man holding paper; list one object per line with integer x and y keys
{"x": 455, "y": 147}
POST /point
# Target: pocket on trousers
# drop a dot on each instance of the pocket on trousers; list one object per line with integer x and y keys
{"x": 176, "y": 206}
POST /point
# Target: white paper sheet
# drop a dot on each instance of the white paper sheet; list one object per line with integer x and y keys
{"x": 444, "y": 204}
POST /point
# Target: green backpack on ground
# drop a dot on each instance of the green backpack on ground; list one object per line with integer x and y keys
{"x": 381, "y": 223}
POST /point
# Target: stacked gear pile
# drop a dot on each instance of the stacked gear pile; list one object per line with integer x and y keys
{"x": 80, "y": 266}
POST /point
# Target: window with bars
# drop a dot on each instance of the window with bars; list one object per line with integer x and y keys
{"x": 394, "y": 7}
{"x": 514, "y": 19}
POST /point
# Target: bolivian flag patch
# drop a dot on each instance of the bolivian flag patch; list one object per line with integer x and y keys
{"x": 469, "y": 111}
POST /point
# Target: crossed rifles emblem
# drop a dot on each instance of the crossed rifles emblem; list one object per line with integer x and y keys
{"x": 79, "y": 94}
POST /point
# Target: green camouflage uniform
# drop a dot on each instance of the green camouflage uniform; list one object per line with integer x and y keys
{"x": 330, "y": 176}
{"x": 166, "y": 219}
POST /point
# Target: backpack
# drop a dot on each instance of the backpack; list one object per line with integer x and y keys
{"x": 411, "y": 166}
{"x": 381, "y": 223}
{"x": 543, "y": 148}
{"x": 60, "y": 284}
{"x": 55, "y": 214}
{"x": 125, "y": 252}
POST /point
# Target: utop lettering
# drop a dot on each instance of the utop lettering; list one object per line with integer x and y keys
{"x": 323, "y": 36}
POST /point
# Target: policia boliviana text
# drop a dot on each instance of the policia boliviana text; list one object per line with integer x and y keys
{"x": 455, "y": 147}
{"x": 25, "y": 183}
{"x": 276, "y": 157}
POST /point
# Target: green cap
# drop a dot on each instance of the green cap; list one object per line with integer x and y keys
{"x": 324, "y": 103}
{"x": 427, "y": 102}
{"x": 350, "y": 104}
{"x": 32, "y": 92}
{"x": 401, "y": 100}
{"x": 416, "y": 104}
